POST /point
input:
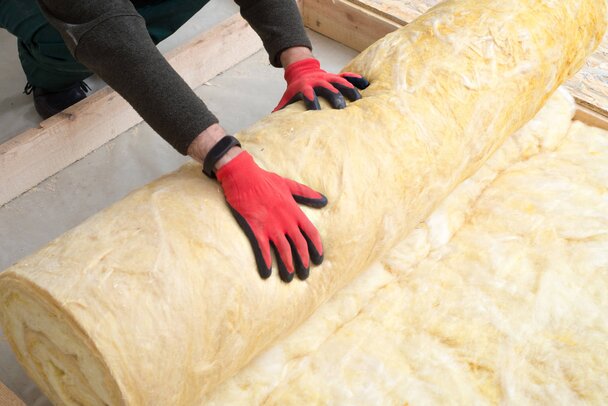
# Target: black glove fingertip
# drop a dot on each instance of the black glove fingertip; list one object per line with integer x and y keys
{"x": 296, "y": 98}
{"x": 360, "y": 83}
{"x": 336, "y": 100}
{"x": 351, "y": 92}
{"x": 298, "y": 264}
{"x": 283, "y": 272}
{"x": 315, "y": 257}
{"x": 263, "y": 270}
{"x": 312, "y": 104}
{"x": 314, "y": 203}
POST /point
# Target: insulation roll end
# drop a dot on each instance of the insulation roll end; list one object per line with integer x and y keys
{"x": 53, "y": 348}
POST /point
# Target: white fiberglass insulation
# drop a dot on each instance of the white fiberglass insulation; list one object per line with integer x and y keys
{"x": 500, "y": 296}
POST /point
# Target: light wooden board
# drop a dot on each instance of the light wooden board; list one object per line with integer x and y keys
{"x": 590, "y": 85}
{"x": 400, "y": 11}
{"x": 8, "y": 398}
{"x": 591, "y": 117}
{"x": 344, "y": 22}
{"x": 32, "y": 156}
{"x": 359, "y": 23}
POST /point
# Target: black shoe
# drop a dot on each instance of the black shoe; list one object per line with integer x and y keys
{"x": 49, "y": 103}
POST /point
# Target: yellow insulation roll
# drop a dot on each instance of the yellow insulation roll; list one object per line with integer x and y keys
{"x": 156, "y": 299}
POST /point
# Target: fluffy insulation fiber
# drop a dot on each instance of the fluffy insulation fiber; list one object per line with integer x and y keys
{"x": 155, "y": 300}
{"x": 499, "y": 297}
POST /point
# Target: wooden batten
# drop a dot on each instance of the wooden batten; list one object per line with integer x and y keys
{"x": 345, "y": 22}
{"x": 8, "y": 398}
{"x": 591, "y": 117}
{"x": 32, "y": 156}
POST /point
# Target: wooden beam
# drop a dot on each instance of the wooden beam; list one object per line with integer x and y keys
{"x": 359, "y": 23}
{"x": 31, "y": 157}
{"x": 8, "y": 398}
{"x": 345, "y": 22}
{"x": 400, "y": 11}
{"x": 590, "y": 85}
{"x": 591, "y": 117}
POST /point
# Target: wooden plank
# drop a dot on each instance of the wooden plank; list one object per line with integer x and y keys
{"x": 590, "y": 85}
{"x": 31, "y": 157}
{"x": 400, "y": 11}
{"x": 349, "y": 24}
{"x": 8, "y": 398}
{"x": 370, "y": 20}
{"x": 591, "y": 117}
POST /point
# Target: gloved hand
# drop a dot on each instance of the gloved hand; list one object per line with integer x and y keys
{"x": 306, "y": 80}
{"x": 265, "y": 206}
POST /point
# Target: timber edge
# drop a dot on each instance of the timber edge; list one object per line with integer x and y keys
{"x": 8, "y": 398}
{"x": 36, "y": 154}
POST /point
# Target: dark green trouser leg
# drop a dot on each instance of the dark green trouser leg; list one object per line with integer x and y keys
{"x": 45, "y": 59}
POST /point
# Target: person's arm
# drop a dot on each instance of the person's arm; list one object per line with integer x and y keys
{"x": 279, "y": 25}
{"x": 110, "y": 38}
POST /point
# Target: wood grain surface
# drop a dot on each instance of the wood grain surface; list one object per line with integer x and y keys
{"x": 8, "y": 398}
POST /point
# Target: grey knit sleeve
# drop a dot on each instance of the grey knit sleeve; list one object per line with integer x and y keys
{"x": 278, "y": 23}
{"x": 110, "y": 38}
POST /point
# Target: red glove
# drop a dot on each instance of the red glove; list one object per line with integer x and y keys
{"x": 305, "y": 80}
{"x": 265, "y": 206}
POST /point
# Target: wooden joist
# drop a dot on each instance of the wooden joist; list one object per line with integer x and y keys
{"x": 400, "y": 11}
{"x": 31, "y": 157}
{"x": 591, "y": 117}
{"x": 590, "y": 85}
{"x": 345, "y": 22}
{"x": 8, "y": 398}
{"x": 359, "y": 23}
